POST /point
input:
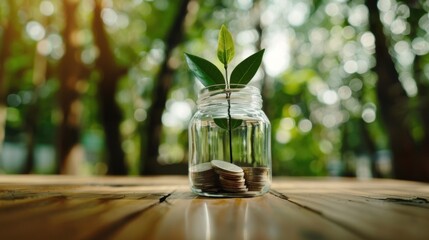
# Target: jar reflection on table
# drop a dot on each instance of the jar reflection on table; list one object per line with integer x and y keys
{"x": 230, "y": 126}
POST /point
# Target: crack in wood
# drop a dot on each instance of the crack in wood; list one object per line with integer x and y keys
{"x": 278, "y": 194}
{"x": 23, "y": 195}
{"x": 164, "y": 198}
{"x": 411, "y": 201}
{"x": 308, "y": 208}
{"x": 119, "y": 223}
{"x": 319, "y": 213}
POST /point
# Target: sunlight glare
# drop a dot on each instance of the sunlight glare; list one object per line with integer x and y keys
{"x": 109, "y": 16}
{"x": 35, "y": 30}
{"x": 329, "y": 97}
{"x": 277, "y": 56}
{"x": 177, "y": 115}
{"x": 44, "y": 47}
{"x": 368, "y": 113}
{"x": 298, "y": 14}
{"x": 283, "y": 136}
{"x": 305, "y": 125}
{"x": 47, "y": 8}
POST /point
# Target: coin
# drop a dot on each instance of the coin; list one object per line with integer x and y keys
{"x": 218, "y": 176}
{"x": 231, "y": 176}
{"x": 226, "y": 166}
{"x": 235, "y": 190}
{"x": 203, "y": 177}
{"x": 202, "y": 167}
{"x": 256, "y": 177}
{"x": 232, "y": 184}
{"x": 231, "y": 181}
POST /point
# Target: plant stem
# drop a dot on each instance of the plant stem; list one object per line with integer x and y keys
{"x": 226, "y": 77}
{"x": 229, "y": 127}
{"x": 228, "y": 98}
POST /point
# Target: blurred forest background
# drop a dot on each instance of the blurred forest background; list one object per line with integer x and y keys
{"x": 101, "y": 86}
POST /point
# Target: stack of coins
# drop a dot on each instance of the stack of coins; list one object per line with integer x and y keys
{"x": 256, "y": 177}
{"x": 231, "y": 176}
{"x": 204, "y": 177}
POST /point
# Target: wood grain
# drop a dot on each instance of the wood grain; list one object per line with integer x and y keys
{"x": 65, "y": 207}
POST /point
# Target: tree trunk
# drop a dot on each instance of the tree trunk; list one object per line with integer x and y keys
{"x": 267, "y": 82}
{"x": 410, "y": 161}
{"x": 416, "y": 13}
{"x": 70, "y": 73}
{"x": 370, "y": 148}
{"x": 163, "y": 83}
{"x": 111, "y": 114}
{"x": 8, "y": 34}
{"x": 40, "y": 69}
{"x": 423, "y": 96}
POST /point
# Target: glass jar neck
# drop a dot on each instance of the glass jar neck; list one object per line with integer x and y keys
{"x": 235, "y": 95}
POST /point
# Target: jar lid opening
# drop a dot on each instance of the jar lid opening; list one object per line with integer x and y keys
{"x": 227, "y": 88}
{"x": 221, "y": 94}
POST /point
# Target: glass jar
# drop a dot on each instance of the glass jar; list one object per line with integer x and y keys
{"x": 230, "y": 143}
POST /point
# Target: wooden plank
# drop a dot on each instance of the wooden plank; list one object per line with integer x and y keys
{"x": 54, "y": 180}
{"x": 73, "y": 211}
{"x": 64, "y": 207}
{"x": 372, "y": 209}
{"x": 184, "y": 216}
{"x": 370, "y": 218}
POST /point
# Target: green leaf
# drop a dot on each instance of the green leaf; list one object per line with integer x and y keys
{"x": 225, "y": 47}
{"x": 244, "y": 72}
{"x": 223, "y": 123}
{"x": 205, "y": 71}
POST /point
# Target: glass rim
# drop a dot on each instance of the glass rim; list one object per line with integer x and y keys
{"x": 223, "y": 87}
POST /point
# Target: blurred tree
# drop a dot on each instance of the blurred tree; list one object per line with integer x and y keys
{"x": 71, "y": 72}
{"x": 163, "y": 82}
{"x": 341, "y": 80}
{"x": 111, "y": 115}
{"x": 9, "y": 33}
{"x": 410, "y": 155}
{"x": 40, "y": 71}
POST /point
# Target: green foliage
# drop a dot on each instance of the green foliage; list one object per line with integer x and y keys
{"x": 209, "y": 74}
{"x": 244, "y": 72}
{"x": 205, "y": 71}
{"x": 223, "y": 123}
{"x": 225, "y": 48}
{"x": 330, "y": 37}
{"x": 294, "y": 81}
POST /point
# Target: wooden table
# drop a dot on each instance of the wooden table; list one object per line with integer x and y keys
{"x": 65, "y": 207}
